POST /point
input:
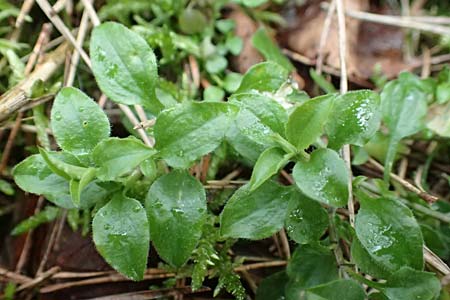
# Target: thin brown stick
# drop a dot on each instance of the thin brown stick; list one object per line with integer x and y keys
{"x": 285, "y": 244}
{"x": 435, "y": 261}
{"x": 399, "y": 21}
{"x": 10, "y": 143}
{"x": 48, "y": 249}
{"x": 39, "y": 279}
{"x": 324, "y": 36}
{"x": 13, "y": 276}
{"x": 410, "y": 187}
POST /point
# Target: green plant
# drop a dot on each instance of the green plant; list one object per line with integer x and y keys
{"x": 140, "y": 194}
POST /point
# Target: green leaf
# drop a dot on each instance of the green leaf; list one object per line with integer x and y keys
{"x": 271, "y": 52}
{"x": 124, "y": 66}
{"x": 251, "y": 3}
{"x": 306, "y": 219}
{"x": 117, "y": 157}
{"x": 216, "y": 64}
{"x": 192, "y": 21}
{"x": 267, "y": 165}
{"x": 303, "y": 267}
{"x": 176, "y": 208}
{"x": 306, "y": 123}
{"x": 188, "y": 131}
{"x": 323, "y": 178}
{"x": 76, "y": 187}
{"x": 48, "y": 214}
{"x": 272, "y": 287}
{"x": 389, "y": 233}
{"x": 322, "y": 82}
{"x": 78, "y": 123}
{"x": 265, "y": 108}
{"x": 6, "y": 188}
{"x": 407, "y": 284}
{"x": 337, "y": 290}
{"x": 213, "y": 94}
{"x": 121, "y": 234}
{"x": 356, "y": 118}
{"x": 366, "y": 263}
{"x": 403, "y": 107}
{"x": 60, "y": 167}
{"x": 255, "y": 214}
{"x": 263, "y": 77}
{"x": 234, "y": 44}
{"x": 34, "y": 176}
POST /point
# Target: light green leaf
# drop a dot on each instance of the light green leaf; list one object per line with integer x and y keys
{"x": 187, "y": 132}
{"x": 121, "y": 234}
{"x": 266, "y": 109}
{"x": 60, "y": 167}
{"x": 271, "y": 52}
{"x": 117, "y": 157}
{"x": 337, "y": 290}
{"x": 306, "y": 219}
{"x": 323, "y": 178}
{"x": 124, "y": 66}
{"x": 78, "y": 123}
{"x": 255, "y": 214}
{"x": 389, "y": 233}
{"x": 76, "y": 187}
{"x": 303, "y": 267}
{"x": 407, "y": 284}
{"x": 356, "y": 118}
{"x": 263, "y": 77}
{"x": 306, "y": 123}
{"x": 403, "y": 106}
{"x": 267, "y": 165}
{"x": 216, "y": 64}
{"x": 176, "y": 208}
{"x": 48, "y": 214}
{"x": 192, "y": 21}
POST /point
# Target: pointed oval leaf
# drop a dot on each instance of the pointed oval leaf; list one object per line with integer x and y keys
{"x": 267, "y": 165}
{"x": 34, "y": 176}
{"x": 390, "y": 234}
{"x": 306, "y": 123}
{"x": 366, "y": 263}
{"x": 188, "y": 131}
{"x": 303, "y": 267}
{"x": 78, "y": 123}
{"x": 117, "y": 157}
{"x": 356, "y": 118}
{"x": 403, "y": 108}
{"x": 306, "y": 220}
{"x": 263, "y": 77}
{"x": 272, "y": 287}
{"x": 255, "y": 214}
{"x": 323, "y": 178}
{"x": 124, "y": 66}
{"x": 121, "y": 234}
{"x": 60, "y": 167}
{"x": 266, "y": 109}
{"x": 176, "y": 208}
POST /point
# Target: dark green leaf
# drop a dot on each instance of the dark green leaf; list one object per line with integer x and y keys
{"x": 78, "y": 123}
{"x": 407, "y": 284}
{"x": 337, "y": 290}
{"x": 306, "y": 219}
{"x": 124, "y": 66}
{"x": 323, "y": 178}
{"x": 48, "y": 214}
{"x": 117, "y": 157}
{"x": 366, "y": 263}
{"x": 323, "y": 83}
{"x": 272, "y": 287}
{"x": 403, "y": 107}
{"x": 121, "y": 235}
{"x": 303, "y": 267}
{"x": 389, "y": 233}
{"x": 188, "y": 131}
{"x": 267, "y": 165}
{"x": 271, "y": 52}
{"x": 263, "y": 77}
{"x": 306, "y": 123}
{"x": 356, "y": 118}
{"x": 176, "y": 208}
{"x": 255, "y": 214}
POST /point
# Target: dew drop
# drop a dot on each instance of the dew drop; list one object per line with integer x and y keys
{"x": 58, "y": 117}
{"x": 107, "y": 227}
{"x": 136, "y": 209}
